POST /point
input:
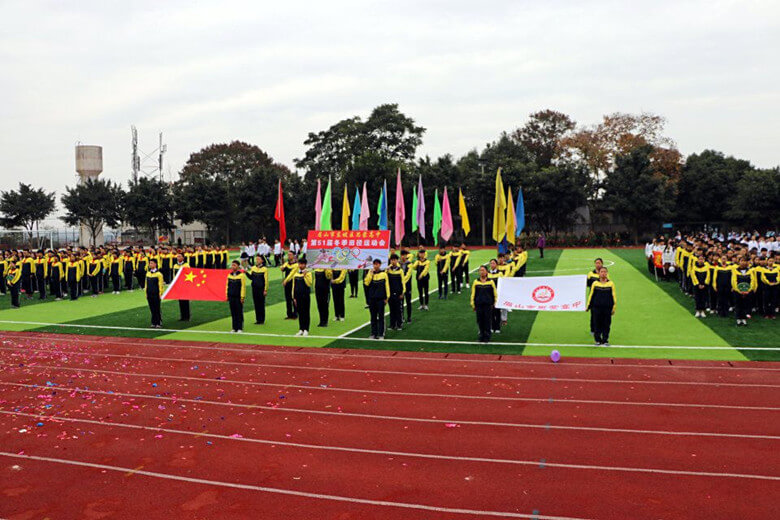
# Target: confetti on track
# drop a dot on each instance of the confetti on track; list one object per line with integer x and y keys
{"x": 126, "y": 428}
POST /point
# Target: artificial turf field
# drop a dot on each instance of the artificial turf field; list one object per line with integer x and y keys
{"x": 653, "y": 320}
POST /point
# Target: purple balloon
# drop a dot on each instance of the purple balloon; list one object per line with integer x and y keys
{"x": 555, "y": 356}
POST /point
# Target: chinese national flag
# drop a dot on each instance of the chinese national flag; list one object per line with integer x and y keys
{"x": 198, "y": 284}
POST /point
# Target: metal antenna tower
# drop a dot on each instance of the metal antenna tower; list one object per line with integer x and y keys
{"x": 146, "y": 164}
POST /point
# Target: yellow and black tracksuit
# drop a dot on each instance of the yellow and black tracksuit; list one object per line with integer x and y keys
{"x": 13, "y": 277}
{"x": 354, "y": 277}
{"x": 408, "y": 272}
{"x": 743, "y": 286}
{"x": 464, "y": 264}
{"x": 56, "y": 274}
{"x": 141, "y": 265}
{"x": 700, "y": 277}
{"x": 236, "y": 292}
{"x": 128, "y": 270}
{"x": 154, "y": 286}
{"x": 483, "y": 301}
{"x": 259, "y": 278}
{"x": 602, "y": 301}
{"x": 397, "y": 283}
{"x": 421, "y": 270}
{"x": 769, "y": 278}
{"x": 338, "y": 287}
{"x": 377, "y": 292}
{"x": 442, "y": 273}
{"x": 95, "y": 271}
{"x": 455, "y": 274}
{"x": 74, "y": 270}
{"x": 166, "y": 261}
{"x": 593, "y": 276}
{"x": 288, "y": 268}
{"x": 322, "y": 278}
{"x": 184, "y": 305}
{"x": 115, "y": 268}
{"x": 28, "y": 271}
{"x": 300, "y": 286}
{"x": 721, "y": 283}
{"x": 495, "y": 315}
{"x": 3, "y": 272}
{"x": 41, "y": 275}
{"x": 520, "y": 263}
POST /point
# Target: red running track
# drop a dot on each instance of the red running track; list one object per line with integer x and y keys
{"x": 122, "y": 428}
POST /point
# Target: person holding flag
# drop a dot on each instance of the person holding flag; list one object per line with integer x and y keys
{"x": 235, "y": 289}
{"x": 184, "y": 305}
{"x": 300, "y": 281}
{"x": 421, "y": 268}
{"x": 154, "y": 285}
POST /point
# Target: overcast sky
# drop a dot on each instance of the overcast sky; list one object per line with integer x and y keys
{"x": 270, "y": 72}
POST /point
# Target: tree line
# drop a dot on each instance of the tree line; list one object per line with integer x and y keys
{"x": 625, "y": 164}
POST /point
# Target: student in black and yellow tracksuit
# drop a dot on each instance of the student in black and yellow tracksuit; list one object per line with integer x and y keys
{"x": 258, "y": 274}
{"x": 493, "y": 274}
{"x": 408, "y": 273}
{"x": 721, "y": 283}
{"x": 41, "y": 274}
{"x": 154, "y": 286}
{"x": 288, "y": 269}
{"x": 235, "y": 289}
{"x": 28, "y": 272}
{"x": 115, "y": 268}
{"x": 73, "y": 273}
{"x": 95, "y": 271}
{"x": 397, "y": 285}
{"x": 184, "y": 305}
{"x": 455, "y": 274}
{"x": 483, "y": 301}
{"x": 770, "y": 282}
{"x": 322, "y": 278}
{"x": 520, "y": 261}
{"x": 464, "y": 264}
{"x": 4, "y": 261}
{"x": 592, "y": 277}
{"x": 421, "y": 268}
{"x": 13, "y": 278}
{"x": 300, "y": 282}
{"x": 354, "y": 278}
{"x": 743, "y": 286}
{"x": 602, "y": 301}
{"x": 141, "y": 265}
{"x": 442, "y": 261}
{"x": 700, "y": 277}
{"x": 338, "y": 287}
{"x": 128, "y": 268}
{"x": 378, "y": 291}
{"x": 56, "y": 274}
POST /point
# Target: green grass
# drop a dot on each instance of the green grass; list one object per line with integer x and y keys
{"x": 649, "y": 314}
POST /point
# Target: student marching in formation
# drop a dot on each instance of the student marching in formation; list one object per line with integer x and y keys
{"x": 184, "y": 305}
{"x": 602, "y": 301}
{"x": 300, "y": 281}
{"x": 322, "y": 278}
{"x": 455, "y": 274}
{"x": 421, "y": 268}
{"x": 13, "y": 276}
{"x": 397, "y": 284}
{"x": 442, "y": 260}
{"x": 154, "y": 287}
{"x": 520, "y": 260}
{"x": 258, "y": 275}
{"x": 288, "y": 268}
{"x": 235, "y": 289}
{"x": 338, "y": 287}
{"x": 406, "y": 262}
{"x": 378, "y": 292}
{"x": 464, "y": 264}
{"x": 483, "y": 301}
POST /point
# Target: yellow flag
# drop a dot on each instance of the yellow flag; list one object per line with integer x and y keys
{"x": 499, "y": 210}
{"x": 345, "y": 212}
{"x": 464, "y": 216}
{"x": 510, "y": 218}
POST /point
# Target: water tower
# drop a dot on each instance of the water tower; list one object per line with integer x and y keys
{"x": 89, "y": 164}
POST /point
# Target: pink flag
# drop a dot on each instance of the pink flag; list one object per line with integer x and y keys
{"x": 446, "y": 218}
{"x": 365, "y": 213}
{"x": 400, "y": 211}
{"x": 421, "y": 208}
{"x": 317, "y": 208}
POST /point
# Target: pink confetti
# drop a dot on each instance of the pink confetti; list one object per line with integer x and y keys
{"x": 237, "y": 436}
{"x": 452, "y": 425}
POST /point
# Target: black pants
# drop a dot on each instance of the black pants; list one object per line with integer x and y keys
{"x": 140, "y": 276}
{"x": 465, "y": 270}
{"x": 700, "y": 296}
{"x": 236, "y": 312}
{"x": 338, "y": 290}
{"x": 723, "y": 297}
{"x": 258, "y": 298}
{"x": 541, "y": 252}
{"x": 353, "y": 283}
{"x": 14, "y": 290}
{"x": 73, "y": 289}
{"x": 422, "y": 289}
{"x": 455, "y": 278}
{"x": 484, "y": 318}
{"x": 377, "y": 310}
{"x": 184, "y": 310}
{"x": 303, "y": 310}
{"x": 322, "y": 294}
{"x": 41, "y": 285}
{"x": 495, "y": 320}
{"x": 288, "y": 299}
{"x": 94, "y": 284}
{"x": 770, "y": 299}
{"x": 166, "y": 272}
{"x": 115, "y": 281}
{"x": 396, "y": 310}
{"x": 27, "y": 284}
{"x": 55, "y": 287}
{"x": 742, "y": 305}
{"x": 3, "y": 284}
{"x": 602, "y": 320}
{"x": 128, "y": 279}
{"x": 442, "y": 278}
{"x": 408, "y": 299}
{"x": 154, "y": 308}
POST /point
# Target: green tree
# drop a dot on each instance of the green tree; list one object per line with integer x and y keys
{"x": 543, "y": 134}
{"x": 148, "y": 205}
{"x": 92, "y": 203}
{"x": 636, "y": 192}
{"x": 553, "y": 194}
{"x": 25, "y": 207}
{"x": 755, "y": 200}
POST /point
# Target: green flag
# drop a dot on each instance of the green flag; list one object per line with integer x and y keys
{"x": 436, "y": 217}
{"x": 325, "y": 224}
{"x": 414, "y": 210}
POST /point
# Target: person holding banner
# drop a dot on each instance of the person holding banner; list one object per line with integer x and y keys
{"x": 258, "y": 275}
{"x": 602, "y": 301}
{"x": 184, "y": 305}
{"x": 235, "y": 288}
{"x": 154, "y": 285}
{"x": 300, "y": 282}
{"x": 378, "y": 292}
{"x": 421, "y": 268}
{"x": 442, "y": 260}
{"x": 483, "y": 301}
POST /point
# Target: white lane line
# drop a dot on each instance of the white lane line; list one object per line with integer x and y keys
{"x": 514, "y": 378}
{"x": 330, "y": 352}
{"x": 416, "y": 419}
{"x": 588, "y": 346}
{"x": 385, "y": 452}
{"x": 289, "y": 492}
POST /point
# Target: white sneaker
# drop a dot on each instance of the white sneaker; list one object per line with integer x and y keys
{"x": 421, "y": 307}
{"x": 305, "y": 332}
{"x": 380, "y": 337}
{"x": 299, "y": 333}
{"x": 232, "y": 331}
{"x": 467, "y": 286}
{"x": 239, "y": 331}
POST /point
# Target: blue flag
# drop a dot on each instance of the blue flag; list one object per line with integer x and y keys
{"x": 520, "y": 212}
{"x": 383, "y": 209}
{"x": 356, "y": 211}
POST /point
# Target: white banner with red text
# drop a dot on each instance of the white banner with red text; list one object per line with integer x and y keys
{"x": 542, "y": 293}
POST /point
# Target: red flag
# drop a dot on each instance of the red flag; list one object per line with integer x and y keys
{"x": 279, "y": 215}
{"x": 198, "y": 284}
{"x": 658, "y": 260}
